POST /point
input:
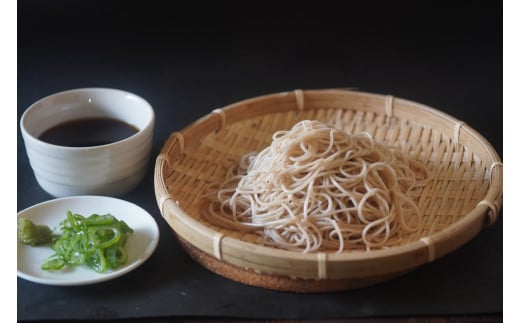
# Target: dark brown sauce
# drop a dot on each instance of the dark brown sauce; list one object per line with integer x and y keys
{"x": 88, "y": 132}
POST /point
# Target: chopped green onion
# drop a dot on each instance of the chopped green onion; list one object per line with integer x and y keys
{"x": 97, "y": 241}
{"x": 97, "y": 261}
{"x": 54, "y": 262}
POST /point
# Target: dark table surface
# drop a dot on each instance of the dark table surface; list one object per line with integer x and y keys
{"x": 188, "y": 62}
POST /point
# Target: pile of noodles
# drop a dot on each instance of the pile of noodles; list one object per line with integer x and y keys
{"x": 320, "y": 188}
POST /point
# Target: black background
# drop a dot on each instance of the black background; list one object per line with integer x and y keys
{"x": 188, "y": 60}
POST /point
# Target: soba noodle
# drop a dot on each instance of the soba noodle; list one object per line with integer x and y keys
{"x": 320, "y": 188}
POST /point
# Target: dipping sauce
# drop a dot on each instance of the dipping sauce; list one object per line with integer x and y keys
{"x": 88, "y": 132}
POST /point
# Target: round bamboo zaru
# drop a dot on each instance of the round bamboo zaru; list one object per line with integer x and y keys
{"x": 463, "y": 197}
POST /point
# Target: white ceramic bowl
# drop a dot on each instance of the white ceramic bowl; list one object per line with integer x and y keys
{"x": 109, "y": 169}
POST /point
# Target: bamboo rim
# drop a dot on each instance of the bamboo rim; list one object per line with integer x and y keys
{"x": 228, "y": 248}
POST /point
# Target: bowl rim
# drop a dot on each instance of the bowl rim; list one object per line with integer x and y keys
{"x": 33, "y": 140}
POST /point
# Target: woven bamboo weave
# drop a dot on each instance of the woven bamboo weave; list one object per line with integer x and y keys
{"x": 463, "y": 197}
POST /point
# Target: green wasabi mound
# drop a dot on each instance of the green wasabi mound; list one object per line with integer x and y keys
{"x": 33, "y": 234}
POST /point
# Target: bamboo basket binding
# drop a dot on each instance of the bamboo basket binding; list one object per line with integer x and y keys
{"x": 463, "y": 197}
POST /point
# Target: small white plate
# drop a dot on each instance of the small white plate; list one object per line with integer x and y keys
{"x": 140, "y": 244}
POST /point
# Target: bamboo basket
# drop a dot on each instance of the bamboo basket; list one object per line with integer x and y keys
{"x": 464, "y": 196}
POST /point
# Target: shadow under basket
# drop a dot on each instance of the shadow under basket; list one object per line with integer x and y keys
{"x": 463, "y": 197}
